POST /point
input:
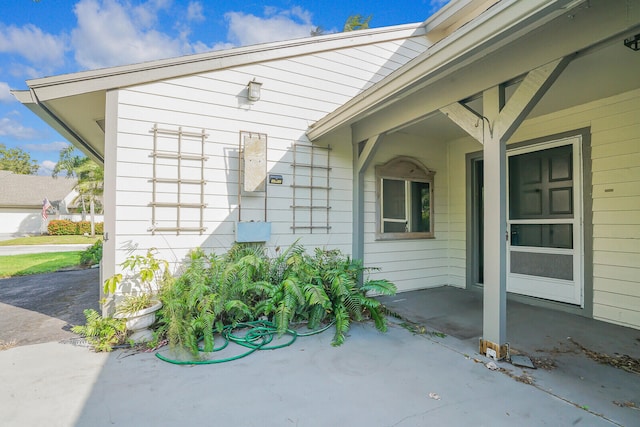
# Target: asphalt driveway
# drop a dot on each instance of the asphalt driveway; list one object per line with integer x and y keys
{"x": 42, "y": 308}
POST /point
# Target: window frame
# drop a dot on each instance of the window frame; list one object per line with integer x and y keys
{"x": 409, "y": 170}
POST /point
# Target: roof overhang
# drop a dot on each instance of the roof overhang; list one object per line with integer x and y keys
{"x": 461, "y": 57}
{"x": 78, "y": 119}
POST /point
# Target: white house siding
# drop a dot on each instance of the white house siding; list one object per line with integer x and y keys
{"x": 295, "y": 93}
{"x": 415, "y": 263}
{"x": 615, "y": 140}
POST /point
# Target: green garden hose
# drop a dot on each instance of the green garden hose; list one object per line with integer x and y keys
{"x": 259, "y": 334}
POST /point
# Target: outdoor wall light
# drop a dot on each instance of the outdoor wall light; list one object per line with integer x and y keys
{"x": 253, "y": 90}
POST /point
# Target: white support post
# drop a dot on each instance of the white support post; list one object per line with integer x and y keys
{"x": 495, "y": 229}
{"x": 362, "y": 156}
{"x": 499, "y": 122}
{"x": 108, "y": 263}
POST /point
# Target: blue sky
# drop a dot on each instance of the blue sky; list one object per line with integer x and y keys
{"x": 50, "y": 37}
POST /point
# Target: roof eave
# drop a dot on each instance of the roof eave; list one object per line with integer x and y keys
{"x": 130, "y": 75}
{"x": 504, "y": 18}
{"x": 29, "y": 99}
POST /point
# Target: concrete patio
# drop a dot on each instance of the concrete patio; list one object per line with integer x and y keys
{"x": 395, "y": 379}
{"x": 565, "y": 347}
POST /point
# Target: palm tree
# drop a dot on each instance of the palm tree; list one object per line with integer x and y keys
{"x": 356, "y": 22}
{"x": 90, "y": 177}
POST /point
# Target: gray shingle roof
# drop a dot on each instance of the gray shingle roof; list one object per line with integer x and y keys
{"x": 18, "y": 190}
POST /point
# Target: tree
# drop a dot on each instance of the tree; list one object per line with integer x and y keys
{"x": 317, "y": 31}
{"x": 90, "y": 177}
{"x": 17, "y": 161}
{"x": 357, "y": 22}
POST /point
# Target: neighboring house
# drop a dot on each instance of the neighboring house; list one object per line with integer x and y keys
{"x": 21, "y": 201}
{"x": 495, "y": 146}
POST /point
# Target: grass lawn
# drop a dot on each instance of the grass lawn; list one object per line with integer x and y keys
{"x": 50, "y": 240}
{"x": 20, "y": 265}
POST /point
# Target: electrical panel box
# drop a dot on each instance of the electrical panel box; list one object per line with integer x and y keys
{"x": 254, "y": 163}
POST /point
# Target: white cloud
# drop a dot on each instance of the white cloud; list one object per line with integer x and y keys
{"x": 248, "y": 29}
{"x": 113, "y": 32}
{"x": 51, "y": 146}
{"x": 110, "y": 33}
{"x": 23, "y": 71}
{"x": 194, "y": 12}
{"x": 46, "y": 167}
{"x": 5, "y": 94}
{"x": 219, "y": 46}
{"x": 146, "y": 14}
{"x": 12, "y": 128}
{"x": 32, "y": 43}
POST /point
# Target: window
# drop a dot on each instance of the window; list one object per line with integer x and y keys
{"x": 405, "y": 200}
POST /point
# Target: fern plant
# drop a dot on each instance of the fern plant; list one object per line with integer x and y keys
{"x": 293, "y": 291}
{"x": 244, "y": 284}
{"x": 212, "y": 292}
{"x": 187, "y": 308}
{"x": 348, "y": 290}
{"x": 103, "y": 333}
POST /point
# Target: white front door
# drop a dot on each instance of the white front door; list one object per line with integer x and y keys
{"x": 545, "y": 238}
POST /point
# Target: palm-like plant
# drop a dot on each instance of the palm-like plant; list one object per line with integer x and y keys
{"x": 90, "y": 177}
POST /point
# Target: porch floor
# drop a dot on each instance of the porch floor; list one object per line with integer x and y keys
{"x": 569, "y": 350}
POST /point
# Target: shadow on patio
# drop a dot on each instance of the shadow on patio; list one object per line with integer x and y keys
{"x": 590, "y": 363}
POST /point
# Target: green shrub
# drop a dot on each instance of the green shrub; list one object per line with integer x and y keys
{"x": 60, "y": 227}
{"x": 103, "y": 333}
{"x": 85, "y": 227}
{"x": 92, "y": 255}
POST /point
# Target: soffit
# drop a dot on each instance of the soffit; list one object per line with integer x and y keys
{"x": 82, "y": 115}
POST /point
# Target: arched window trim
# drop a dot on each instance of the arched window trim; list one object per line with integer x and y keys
{"x": 406, "y": 169}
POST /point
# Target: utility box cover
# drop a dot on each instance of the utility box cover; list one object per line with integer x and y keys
{"x": 247, "y": 232}
{"x": 255, "y": 164}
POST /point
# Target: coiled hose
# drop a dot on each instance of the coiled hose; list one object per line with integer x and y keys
{"x": 259, "y": 335}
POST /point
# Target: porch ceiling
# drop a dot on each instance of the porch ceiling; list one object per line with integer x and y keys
{"x": 607, "y": 71}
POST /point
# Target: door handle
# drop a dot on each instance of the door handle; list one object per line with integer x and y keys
{"x": 514, "y": 237}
